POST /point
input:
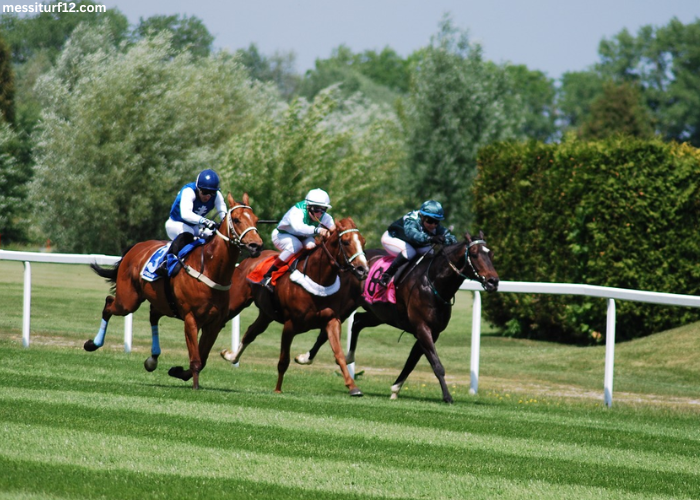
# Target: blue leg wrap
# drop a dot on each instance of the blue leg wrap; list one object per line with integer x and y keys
{"x": 100, "y": 337}
{"x": 155, "y": 343}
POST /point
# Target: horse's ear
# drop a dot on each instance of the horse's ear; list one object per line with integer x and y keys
{"x": 468, "y": 237}
{"x": 246, "y": 200}
{"x": 231, "y": 201}
{"x": 481, "y": 235}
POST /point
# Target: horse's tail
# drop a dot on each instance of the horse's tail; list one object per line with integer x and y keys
{"x": 109, "y": 273}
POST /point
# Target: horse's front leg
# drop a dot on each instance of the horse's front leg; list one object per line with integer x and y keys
{"x": 191, "y": 330}
{"x": 333, "y": 330}
{"x": 425, "y": 337}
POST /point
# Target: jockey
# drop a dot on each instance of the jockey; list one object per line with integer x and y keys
{"x": 298, "y": 228}
{"x": 413, "y": 234}
{"x": 187, "y": 216}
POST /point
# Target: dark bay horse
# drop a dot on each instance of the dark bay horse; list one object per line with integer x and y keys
{"x": 198, "y": 294}
{"x": 424, "y": 295}
{"x": 298, "y": 310}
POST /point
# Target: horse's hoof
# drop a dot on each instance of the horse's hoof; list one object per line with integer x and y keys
{"x": 448, "y": 400}
{"x": 394, "y": 395}
{"x": 179, "y": 372}
{"x": 151, "y": 363}
{"x": 90, "y": 346}
{"x": 304, "y": 359}
{"x": 355, "y": 392}
{"x": 349, "y": 358}
{"x": 229, "y": 355}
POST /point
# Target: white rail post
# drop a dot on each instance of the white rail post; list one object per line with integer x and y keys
{"x": 128, "y": 332}
{"x": 476, "y": 343}
{"x": 235, "y": 334}
{"x": 351, "y": 366}
{"x": 27, "y": 303}
{"x": 609, "y": 353}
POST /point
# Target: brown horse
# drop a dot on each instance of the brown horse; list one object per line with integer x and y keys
{"x": 424, "y": 295}
{"x": 199, "y": 298}
{"x": 297, "y": 309}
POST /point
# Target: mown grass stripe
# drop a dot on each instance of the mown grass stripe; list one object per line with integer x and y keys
{"x": 99, "y": 452}
{"x": 352, "y": 427}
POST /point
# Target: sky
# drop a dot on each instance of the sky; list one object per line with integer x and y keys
{"x": 553, "y": 36}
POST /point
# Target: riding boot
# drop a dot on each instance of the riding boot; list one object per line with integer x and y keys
{"x": 180, "y": 242}
{"x": 266, "y": 280}
{"x": 399, "y": 260}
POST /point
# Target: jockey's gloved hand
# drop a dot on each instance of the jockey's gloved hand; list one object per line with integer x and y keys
{"x": 207, "y": 223}
{"x": 437, "y": 239}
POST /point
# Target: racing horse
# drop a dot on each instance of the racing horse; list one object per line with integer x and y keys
{"x": 299, "y": 311}
{"x": 425, "y": 292}
{"x": 199, "y": 297}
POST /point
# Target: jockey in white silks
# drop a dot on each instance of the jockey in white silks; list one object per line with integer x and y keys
{"x": 298, "y": 228}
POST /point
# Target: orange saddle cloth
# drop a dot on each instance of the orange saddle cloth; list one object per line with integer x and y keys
{"x": 257, "y": 274}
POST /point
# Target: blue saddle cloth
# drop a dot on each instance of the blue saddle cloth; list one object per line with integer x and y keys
{"x": 156, "y": 259}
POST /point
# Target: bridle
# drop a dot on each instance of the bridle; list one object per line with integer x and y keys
{"x": 237, "y": 239}
{"x": 348, "y": 260}
{"x": 468, "y": 260}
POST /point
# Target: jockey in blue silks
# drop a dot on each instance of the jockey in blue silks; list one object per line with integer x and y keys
{"x": 298, "y": 229}
{"x": 187, "y": 215}
{"x": 414, "y": 233}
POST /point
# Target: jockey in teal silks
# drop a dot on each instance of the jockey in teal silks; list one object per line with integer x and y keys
{"x": 414, "y": 233}
{"x": 298, "y": 228}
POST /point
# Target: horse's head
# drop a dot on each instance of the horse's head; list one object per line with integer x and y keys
{"x": 351, "y": 248}
{"x": 479, "y": 259}
{"x": 240, "y": 226}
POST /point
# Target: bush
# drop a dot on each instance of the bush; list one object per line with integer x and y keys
{"x": 621, "y": 212}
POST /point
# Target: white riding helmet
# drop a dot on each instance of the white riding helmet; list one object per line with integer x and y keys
{"x": 318, "y": 197}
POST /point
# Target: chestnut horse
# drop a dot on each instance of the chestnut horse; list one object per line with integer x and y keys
{"x": 425, "y": 292}
{"x": 198, "y": 294}
{"x": 297, "y": 309}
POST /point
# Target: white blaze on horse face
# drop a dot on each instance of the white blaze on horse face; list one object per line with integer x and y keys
{"x": 485, "y": 250}
{"x": 358, "y": 245}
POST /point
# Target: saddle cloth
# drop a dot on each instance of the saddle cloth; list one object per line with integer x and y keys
{"x": 257, "y": 274}
{"x": 373, "y": 291}
{"x": 148, "y": 271}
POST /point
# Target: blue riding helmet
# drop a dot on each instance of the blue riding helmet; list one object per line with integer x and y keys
{"x": 207, "y": 180}
{"x": 432, "y": 208}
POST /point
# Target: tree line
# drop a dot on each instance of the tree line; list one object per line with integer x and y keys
{"x": 104, "y": 121}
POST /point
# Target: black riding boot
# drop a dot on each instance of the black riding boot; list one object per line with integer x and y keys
{"x": 267, "y": 279}
{"x": 180, "y": 242}
{"x": 399, "y": 260}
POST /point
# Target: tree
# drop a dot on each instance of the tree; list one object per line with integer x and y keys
{"x": 48, "y": 31}
{"x": 665, "y": 64}
{"x": 278, "y": 69}
{"x": 537, "y": 94}
{"x": 122, "y": 131}
{"x": 458, "y": 103}
{"x": 351, "y": 148}
{"x": 619, "y": 110}
{"x": 188, "y": 33}
{"x": 13, "y": 185}
{"x": 578, "y": 91}
{"x": 7, "y": 84}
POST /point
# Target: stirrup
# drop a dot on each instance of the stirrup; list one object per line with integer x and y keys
{"x": 385, "y": 279}
{"x": 267, "y": 283}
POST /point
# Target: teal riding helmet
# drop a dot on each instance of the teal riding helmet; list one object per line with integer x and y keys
{"x": 432, "y": 208}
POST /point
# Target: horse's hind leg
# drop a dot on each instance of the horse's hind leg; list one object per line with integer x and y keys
{"x": 286, "y": 345}
{"x": 411, "y": 361}
{"x": 151, "y": 363}
{"x": 124, "y": 303}
{"x": 308, "y": 357}
{"x": 256, "y": 328}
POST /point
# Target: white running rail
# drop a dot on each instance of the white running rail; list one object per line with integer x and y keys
{"x": 611, "y": 294}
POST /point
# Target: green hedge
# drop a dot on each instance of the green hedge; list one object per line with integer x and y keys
{"x": 622, "y": 212}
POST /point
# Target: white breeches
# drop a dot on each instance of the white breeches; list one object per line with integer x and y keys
{"x": 173, "y": 228}
{"x": 289, "y": 244}
{"x": 396, "y": 246}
